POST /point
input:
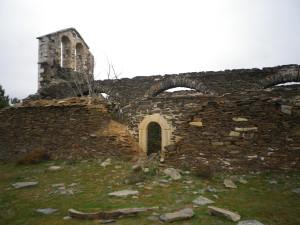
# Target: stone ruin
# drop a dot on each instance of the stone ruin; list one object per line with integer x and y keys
{"x": 232, "y": 119}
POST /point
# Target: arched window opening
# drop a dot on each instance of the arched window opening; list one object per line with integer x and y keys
{"x": 179, "y": 91}
{"x": 66, "y": 53}
{"x": 288, "y": 84}
{"x": 153, "y": 138}
{"x": 79, "y": 54}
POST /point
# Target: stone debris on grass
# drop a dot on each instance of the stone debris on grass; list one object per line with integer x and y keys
{"x": 202, "y": 201}
{"x": 215, "y": 211}
{"x": 239, "y": 179}
{"x": 60, "y": 188}
{"x": 123, "y": 193}
{"x": 173, "y": 173}
{"x": 107, "y": 215}
{"x": 211, "y": 189}
{"x": 296, "y": 191}
{"x": 47, "y": 211}
{"x": 106, "y": 163}
{"x": 58, "y": 185}
{"x": 229, "y": 183}
{"x": 182, "y": 214}
{"x": 24, "y": 184}
{"x": 249, "y": 222}
{"x": 54, "y": 168}
{"x": 106, "y": 221}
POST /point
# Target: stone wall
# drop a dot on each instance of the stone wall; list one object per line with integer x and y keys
{"x": 68, "y": 129}
{"x": 259, "y": 130}
{"x": 211, "y": 83}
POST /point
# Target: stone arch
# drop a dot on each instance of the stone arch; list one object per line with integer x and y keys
{"x": 291, "y": 74}
{"x": 66, "y": 52}
{"x": 177, "y": 81}
{"x": 166, "y": 131}
{"x": 79, "y": 57}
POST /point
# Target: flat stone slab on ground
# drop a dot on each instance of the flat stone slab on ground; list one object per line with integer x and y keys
{"x": 249, "y": 222}
{"x": 24, "y": 184}
{"x": 47, "y": 211}
{"x": 202, "y": 201}
{"x": 108, "y": 215}
{"x": 296, "y": 191}
{"x": 123, "y": 193}
{"x": 173, "y": 173}
{"x": 229, "y": 184}
{"x": 54, "y": 168}
{"x": 182, "y": 214}
{"x": 215, "y": 211}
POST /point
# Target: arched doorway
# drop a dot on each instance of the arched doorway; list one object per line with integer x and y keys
{"x": 165, "y": 131}
{"x": 153, "y": 138}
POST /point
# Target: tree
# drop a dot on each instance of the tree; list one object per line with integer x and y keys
{"x": 4, "y": 100}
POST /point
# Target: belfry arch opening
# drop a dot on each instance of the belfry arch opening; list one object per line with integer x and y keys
{"x": 150, "y": 123}
{"x": 66, "y": 53}
{"x": 79, "y": 53}
{"x": 153, "y": 138}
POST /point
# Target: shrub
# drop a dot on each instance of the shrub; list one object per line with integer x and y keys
{"x": 34, "y": 156}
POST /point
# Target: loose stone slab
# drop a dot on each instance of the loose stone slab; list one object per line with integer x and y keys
{"x": 215, "y": 211}
{"x": 24, "y": 184}
{"x": 54, "y": 168}
{"x": 173, "y": 173}
{"x": 182, "y": 214}
{"x": 250, "y": 222}
{"x": 229, "y": 183}
{"x": 202, "y": 201}
{"x": 123, "y": 193}
{"x": 106, "y": 163}
{"x": 108, "y": 215}
{"x": 47, "y": 211}
{"x": 296, "y": 191}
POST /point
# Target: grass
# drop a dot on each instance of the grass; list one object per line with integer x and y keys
{"x": 269, "y": 203}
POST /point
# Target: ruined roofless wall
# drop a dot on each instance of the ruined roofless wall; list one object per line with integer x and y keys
{"x": 66, "y": 130}
{"x": 252, "y": 130}
{"x": 129, "y": 90}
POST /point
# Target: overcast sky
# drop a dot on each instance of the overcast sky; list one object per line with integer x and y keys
{"x": 151, "y": 37}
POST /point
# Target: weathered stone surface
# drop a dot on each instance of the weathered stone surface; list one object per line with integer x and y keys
{"x": 245, "y": 129}
{"x": 239, "y": 119}
{"x": 197, "y": 124}
{"x": 249, "y": 222}
{"x": 234, "y": 134}
{"x": 286, "y": 109}
{"x": 202, "y": 201}
{"x": 182, "y": 214}
{"x": 215, "y": 211}
{"x": 229, "y": 183}
{"x": 123, "y": 193}
{"x": 173, "y": 173}
{"x": 47, "y": 211}
{"x": 24, "y": 184}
